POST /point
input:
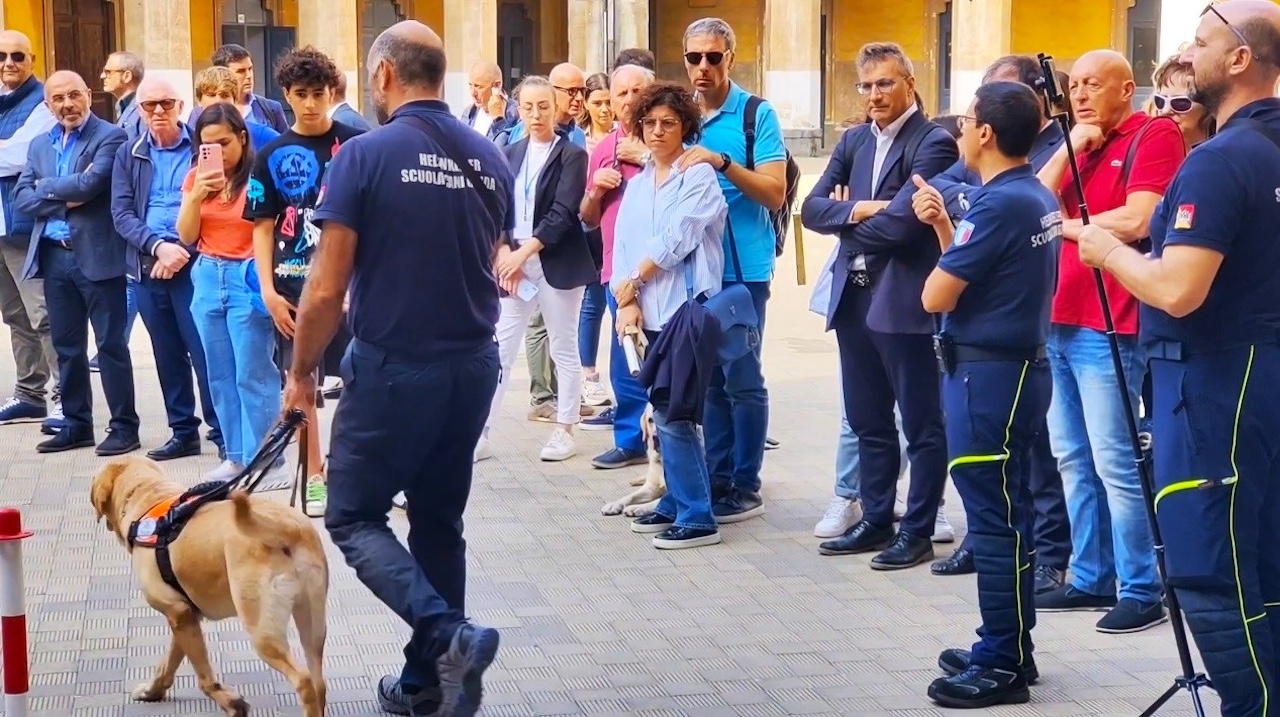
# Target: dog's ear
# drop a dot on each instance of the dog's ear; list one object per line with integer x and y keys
{"x": 104, "y": 485}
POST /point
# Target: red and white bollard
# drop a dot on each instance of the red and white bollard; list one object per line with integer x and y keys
{"x": 13, "y": 614}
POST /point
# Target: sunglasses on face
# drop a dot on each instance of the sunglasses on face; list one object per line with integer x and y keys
{"x": 151, "y": 105}
{"x": 695, "y": 58}
{"x": 1180, "y": 104}
{"x": 18, "y": 57}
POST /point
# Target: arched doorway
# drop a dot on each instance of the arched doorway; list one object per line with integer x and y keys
{"x": 84, "y": 33}
{"x": 375, "y": 16}
{"x": 251, "y": 24}
{"x": 516, "y": 40}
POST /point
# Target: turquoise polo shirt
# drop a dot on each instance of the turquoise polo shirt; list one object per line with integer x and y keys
{"x": 722, "y": 132}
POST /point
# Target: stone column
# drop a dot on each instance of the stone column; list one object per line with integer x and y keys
{"x": 793, "y": 65}
{"x": 588, "y": 35}
{"x": 333, "y": 27}
{"x": 470, "y": 34}
{"x": 981, "y": 31}
{"x": 630, "y": 25}
{"x": 159, "y": 31}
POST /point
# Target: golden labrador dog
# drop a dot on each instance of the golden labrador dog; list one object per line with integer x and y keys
{"x": 244, "y": 556}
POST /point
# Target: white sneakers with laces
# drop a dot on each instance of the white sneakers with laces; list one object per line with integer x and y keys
{"x": 841, "y": 514}
{"x": 561, "y": 446}
{"x": 942, "y": 530}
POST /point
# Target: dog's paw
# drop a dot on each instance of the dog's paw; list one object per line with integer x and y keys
{"x": 614, "y": 508}
{"x": 237, "y": 707}
{"x": 635, "y": 511}
{"x": 147, "y": 692}
{"x": 637, "y": 480}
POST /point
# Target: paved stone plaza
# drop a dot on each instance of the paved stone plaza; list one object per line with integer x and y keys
{"x": 593, "y": 619}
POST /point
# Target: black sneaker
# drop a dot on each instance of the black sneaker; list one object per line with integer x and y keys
{"x": 461, "y": 669}
{"x": 979, "y": 687}
{"x": 1129, "y": 615}
{"x": 393, "y": 699}
{"x": 737, "y": 506}
{"x": 771, "y": 444}
{"x": 619, "y": 458}
{"x": 651, "y": 524}
{"x": 602, "y": 421}
{"x": 1048, "y": 579}
{"x": 118, "y": 443}
{"x": 1068, "y": 599}
{"x": 674, "y": 538}
{"x": 954, "y": 661}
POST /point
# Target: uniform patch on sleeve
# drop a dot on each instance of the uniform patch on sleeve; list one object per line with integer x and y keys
{"x": 964, "y": 232}
{"x": 1185, "y": 217}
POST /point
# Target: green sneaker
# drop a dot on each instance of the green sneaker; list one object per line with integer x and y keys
{"x": 317, "y": 497}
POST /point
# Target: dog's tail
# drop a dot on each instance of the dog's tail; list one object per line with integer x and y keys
{"x": 277, "y": 535}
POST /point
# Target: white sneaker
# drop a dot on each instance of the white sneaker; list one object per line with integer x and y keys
{"x": 483, "y": 450}
{"x": 561, "y": 446}
{"x": 841, "y": 514}
{"x": 224, "y": 472}
{"x": 942, "y": 530}
{"x": 594, "y": 394}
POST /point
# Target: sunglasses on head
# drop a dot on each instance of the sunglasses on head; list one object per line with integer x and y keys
{"x": 151, "y": 105}
{"x": 1180, "y": 104}
{"x": 695, "y": 58}
{"x": 18, "y": 57}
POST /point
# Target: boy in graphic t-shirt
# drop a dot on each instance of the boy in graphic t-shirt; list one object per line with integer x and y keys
{"x": 283, "y": 192}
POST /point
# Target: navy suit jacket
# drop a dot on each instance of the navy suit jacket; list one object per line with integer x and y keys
{"x": 346, "y": 114}
{"x": 960, "y": 187}
{"x": 42, "y": 194}
{"x": 900, "y": 250}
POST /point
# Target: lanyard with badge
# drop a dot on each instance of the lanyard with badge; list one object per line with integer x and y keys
{"x": 531, "y": 179}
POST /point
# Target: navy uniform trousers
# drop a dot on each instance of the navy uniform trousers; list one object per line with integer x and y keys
{"x": 409, "y": 424}
{"x": 1217, "y": 476}
{"x": 994, "y": 410}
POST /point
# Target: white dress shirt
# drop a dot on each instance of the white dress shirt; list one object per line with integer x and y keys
{"x": 884, "y": 140}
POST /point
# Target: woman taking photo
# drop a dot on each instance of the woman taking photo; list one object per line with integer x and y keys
{"x": 237, "y": 336}
{"x": 670, "y": 226}
{"x": 545, "y": 262}
{"x": 597, "y": 122}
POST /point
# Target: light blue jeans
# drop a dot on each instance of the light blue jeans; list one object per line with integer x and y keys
{"x": 239, "y": 342}
{"x": 1109, "y": 531}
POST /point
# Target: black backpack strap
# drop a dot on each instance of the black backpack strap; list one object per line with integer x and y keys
{"x": 749, "y": 129}
{"x": 488, "y": 197}
{"x": 1133, "y": 150}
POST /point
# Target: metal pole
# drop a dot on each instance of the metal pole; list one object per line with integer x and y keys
{"x": 13, "y": 614}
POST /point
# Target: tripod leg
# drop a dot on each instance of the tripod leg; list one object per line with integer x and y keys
{"x": 1168, "y": 695}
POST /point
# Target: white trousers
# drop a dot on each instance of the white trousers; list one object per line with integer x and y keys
{"x": 561, "y": 309}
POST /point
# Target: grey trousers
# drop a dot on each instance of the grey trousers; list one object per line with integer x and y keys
{"x": 23, "y": 309}
{"x": 543, "y": 386}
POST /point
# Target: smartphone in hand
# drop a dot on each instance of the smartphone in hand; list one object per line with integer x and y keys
{"x": 209, "y": 159}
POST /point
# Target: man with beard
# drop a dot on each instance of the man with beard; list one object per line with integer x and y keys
{"x": 1211, "y": 328}
{"x": 410, "y": 215}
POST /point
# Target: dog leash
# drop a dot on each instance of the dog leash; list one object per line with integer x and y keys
{"x": 272, "y": 448}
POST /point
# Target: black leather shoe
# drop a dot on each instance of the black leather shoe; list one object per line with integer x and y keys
{"x": 117, "y": 444}
{"x": 954, "y": 661}
{"x": 958, "y": 563}
{"x": 906, "y": 551}
{"x": 175, "y": 449}
{"x": 863, "y": 537}
{"x": 1048, "y": 579}
{"x": 979, "y": 687}
{"x": 65, "y": 440}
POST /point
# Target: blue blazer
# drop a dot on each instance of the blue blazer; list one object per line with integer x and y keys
{"x": 263, "y": 111}
{"x": 900, "y": 250}
{"x": 99, "y": 250}
{"x": 346, "y": 114}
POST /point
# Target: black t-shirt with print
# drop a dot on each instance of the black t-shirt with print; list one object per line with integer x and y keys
{"x": 285, "y": 185}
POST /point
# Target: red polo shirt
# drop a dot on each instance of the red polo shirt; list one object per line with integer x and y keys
{"x": 1160, "y": 153}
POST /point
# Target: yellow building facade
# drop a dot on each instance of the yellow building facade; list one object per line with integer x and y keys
{"x": 799, "y": 53}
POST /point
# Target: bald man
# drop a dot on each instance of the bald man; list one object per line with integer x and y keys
{"x": 1127, "y": 159}
{"x": 491, "y": 112}
{"x": 66, "y": 187}
{"x": 571, "y": 92}
{"x": 422, "y": 168}
{"x": 1209, "y": 319}
{"x": 146, "y": 194}
{"x": 23, "y": 117}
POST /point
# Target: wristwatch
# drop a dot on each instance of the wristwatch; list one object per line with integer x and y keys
{"x": 635, "y": 278}
{"x": 645, "y": 156}
{"x": 726, "y": 161}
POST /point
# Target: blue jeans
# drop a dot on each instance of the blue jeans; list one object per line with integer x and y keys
{"x": 131, "y": 307}
{"x": 589, "y": 321}
{"x": 375, "y": 454}
{"x": 165, "y": 305}
{"x": 630, "y": 396}
{"x": 238, "y": 344}
{"x": 684, "y": 462}
{"x": 736, "y": 418}
{"x": 1087, "y": 431}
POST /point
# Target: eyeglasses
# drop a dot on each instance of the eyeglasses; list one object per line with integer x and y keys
{"x": 882, "y": 86}
{"x": 573, "y": 91}
{"x": 18, "y": 57}
{"x": 666, "y": 123}
{"x": 1181, "y": 104}
{"x": 1234, "y": 30}
{"x": 695, "y": 58}
{"x": 150, "y": 105}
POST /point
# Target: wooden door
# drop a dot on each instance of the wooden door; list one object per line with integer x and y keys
{"x": 83, "y": 36}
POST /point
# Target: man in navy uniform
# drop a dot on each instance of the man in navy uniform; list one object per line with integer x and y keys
{"x": 1211, "y": 325}
{"x": 960, "y": 186}
{"x": 994, "y": 283}
{"x": 410, "y": 215}
{"x": 883, "y": 332}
